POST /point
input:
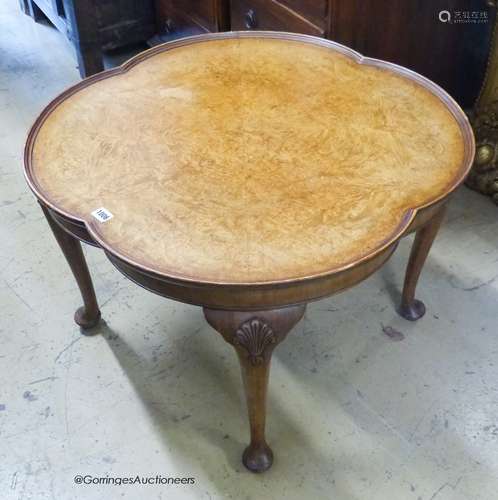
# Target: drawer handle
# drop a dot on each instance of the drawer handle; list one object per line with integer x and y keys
{"x": 169, "y": 26}
{"x": 250, "y": 19}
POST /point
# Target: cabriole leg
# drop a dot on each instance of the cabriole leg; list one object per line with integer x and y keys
{"x": 254, "y": 335}
{"x": 88, "y": 315}
{"x": 411, "y": 308}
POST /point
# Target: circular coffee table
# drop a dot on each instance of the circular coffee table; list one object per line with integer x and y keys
{"x": 249, "y": 173}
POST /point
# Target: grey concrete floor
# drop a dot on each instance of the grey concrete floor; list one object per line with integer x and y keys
{"x": 353, "y": 414}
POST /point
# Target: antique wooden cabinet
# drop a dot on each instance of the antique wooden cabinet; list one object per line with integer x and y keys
{"x": 95, "y": 25}
{"x": 192, "y": 16}
{"x": 419, "y": 35}
{"x": 452, "y": 52}
{"x": 309, "y": 17}
{"x": 445, "y": 40}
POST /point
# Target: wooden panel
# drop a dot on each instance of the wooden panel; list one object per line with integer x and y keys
{"x": 203, "y": 10}
{"x": 314, "y": 10}
{"x": 124, "y": 22}
{"x": 409, "y": 32}
{"x": 197, "y": 15}
{"x": 270, "y": 15}
{"x": 172, "y": 23}
{"x": 117, "y": 14}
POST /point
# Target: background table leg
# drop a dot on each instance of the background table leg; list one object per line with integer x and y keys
{"x": 254, "y": 335}
{"x": 411, "y": 308}
{"x": 88, "y": 315}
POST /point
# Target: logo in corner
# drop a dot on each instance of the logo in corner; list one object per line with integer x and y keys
{"x": 445, "y": 16}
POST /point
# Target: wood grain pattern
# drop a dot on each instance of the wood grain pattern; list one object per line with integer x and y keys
{"x": 249, "y": 157}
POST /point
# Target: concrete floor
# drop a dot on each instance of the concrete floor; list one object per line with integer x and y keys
{"x": 353, "y": 414}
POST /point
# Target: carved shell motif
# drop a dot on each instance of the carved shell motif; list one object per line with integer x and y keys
{"x": 254, "y": 335}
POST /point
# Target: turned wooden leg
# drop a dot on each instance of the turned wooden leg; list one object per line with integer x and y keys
{"x": 411, "y": 308}
{"x": 88, "y": 315}
{"x": 254, "y": 335}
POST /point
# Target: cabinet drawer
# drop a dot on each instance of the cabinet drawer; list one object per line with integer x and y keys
{"x": 195, "y": 15}
{"x": 270, "y": 15}
{"x": 314, "y": 10}
{"x": 174, "y": 24}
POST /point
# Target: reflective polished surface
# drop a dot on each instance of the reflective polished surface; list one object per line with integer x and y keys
{"x": 244, "y": 160}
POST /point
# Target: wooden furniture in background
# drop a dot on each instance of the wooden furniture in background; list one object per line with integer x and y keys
{"x": 410, "y": 33}
{"x": 261, "y": 186}
{"x": 310, "y": 17}
{"x": 406, "y": 32}
{"x": 96, "y": 25}
{"x": 192, "y": 16}
{"x": 484, "y": 174}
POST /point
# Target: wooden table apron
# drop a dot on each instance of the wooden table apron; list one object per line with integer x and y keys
{"x": 252, "y": 317}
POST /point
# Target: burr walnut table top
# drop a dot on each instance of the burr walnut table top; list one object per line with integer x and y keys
{"x": 248, "y": 158}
